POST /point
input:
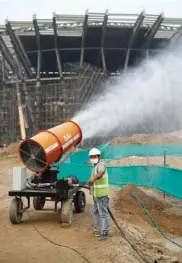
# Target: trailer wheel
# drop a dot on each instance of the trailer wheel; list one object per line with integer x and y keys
{"x": 67, "y": 212}
{"x": 38, "y": 202}
{"x": 79, "y": 202}
{"x": 16, "y": 211}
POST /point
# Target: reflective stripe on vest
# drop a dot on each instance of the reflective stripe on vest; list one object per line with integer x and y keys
{"x": 101, "y": 186}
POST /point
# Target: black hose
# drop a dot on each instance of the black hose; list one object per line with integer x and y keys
{"x": 153, "y": 221}
{"x": 57, "y": 244}
{"x": 85, "y": 185}
{"x": 124, "y": 236}
{"x": 114, "y": 220}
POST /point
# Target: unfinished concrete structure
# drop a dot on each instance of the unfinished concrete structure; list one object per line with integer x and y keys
{"x": 53, "y": 66}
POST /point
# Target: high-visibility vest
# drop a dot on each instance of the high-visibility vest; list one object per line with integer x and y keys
{"x": 101, "y": 186}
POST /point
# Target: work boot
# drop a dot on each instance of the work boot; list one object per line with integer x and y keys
{"x": 96, "y": 233}
{"x": 103, "y": 236}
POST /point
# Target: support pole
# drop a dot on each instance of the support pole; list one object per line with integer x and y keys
{"x": 176, "y": 37}
{"x": 19, "y": 50}
{"x": 132, "y": 38}
{"x": 7, "y": 56}
{"x": 102, "y": 41}
{"x": 83, "y": 38}
{"x": 29, "y": 106}
{"x": 58, "y": 59}
{"x": 39, "y": 54}
{"x": 153, "y": 31}
{"x": 20, "y": 112}
{"x": 164, "y": 194}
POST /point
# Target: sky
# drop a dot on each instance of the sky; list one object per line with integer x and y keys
{"x": 20, "y": 10}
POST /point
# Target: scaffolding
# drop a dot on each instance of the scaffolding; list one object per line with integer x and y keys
{"x": 48, "y": 104}
{"x": 52, "y": 67}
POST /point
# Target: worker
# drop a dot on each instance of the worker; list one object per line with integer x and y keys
{"x": 99, "y": 189}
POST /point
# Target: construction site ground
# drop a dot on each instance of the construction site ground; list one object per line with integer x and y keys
{"x": 24, "y": 243}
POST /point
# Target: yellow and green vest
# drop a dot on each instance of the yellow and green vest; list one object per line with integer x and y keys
{"x": 101, "y": 186}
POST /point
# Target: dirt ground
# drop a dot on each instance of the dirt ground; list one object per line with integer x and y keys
{"x": 148, "y": 139}
{"x": 22, "y": 243}
{"x": 175, "y": 162}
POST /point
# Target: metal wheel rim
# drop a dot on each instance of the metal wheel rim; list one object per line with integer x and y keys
{"x": 19, "y": 208}
{"x": 82, "y": 201}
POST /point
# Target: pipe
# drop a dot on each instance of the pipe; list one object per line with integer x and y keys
{"x": 31, "y": 185}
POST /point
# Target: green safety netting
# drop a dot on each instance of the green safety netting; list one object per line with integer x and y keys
{"x": 117, "y": 152}
{"x": 163, "y": 178}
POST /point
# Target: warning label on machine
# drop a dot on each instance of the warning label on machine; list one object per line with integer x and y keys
{"x": 71, "y": 141}
{"x": 52, "y": 147}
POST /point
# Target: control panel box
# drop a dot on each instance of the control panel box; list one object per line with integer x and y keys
{"x": 19, "y": 175}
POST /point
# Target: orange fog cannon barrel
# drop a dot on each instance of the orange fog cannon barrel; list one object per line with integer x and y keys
{"x": 48, "y": 146}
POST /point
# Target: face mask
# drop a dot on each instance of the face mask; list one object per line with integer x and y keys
{"x": 94, "y": 161}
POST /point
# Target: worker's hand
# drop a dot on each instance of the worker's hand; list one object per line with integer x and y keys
{"x": 91, "y": 182}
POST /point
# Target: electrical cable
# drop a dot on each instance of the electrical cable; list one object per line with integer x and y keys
{"x": 79, "y": 253}
{"x": 57, "y": 244}
{"x": 153, "y": 221}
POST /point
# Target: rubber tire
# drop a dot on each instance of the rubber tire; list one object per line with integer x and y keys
{"x": 38, "y": 202}
{"x": 79, "y": 202}
{"x": 14, "y": 215}
{"x": 67, "y": 213}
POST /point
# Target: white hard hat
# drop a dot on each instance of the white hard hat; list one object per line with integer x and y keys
{"x": 94, "y": 151}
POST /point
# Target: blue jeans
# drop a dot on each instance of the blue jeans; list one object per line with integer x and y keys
{"x": 100, "y": 214}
